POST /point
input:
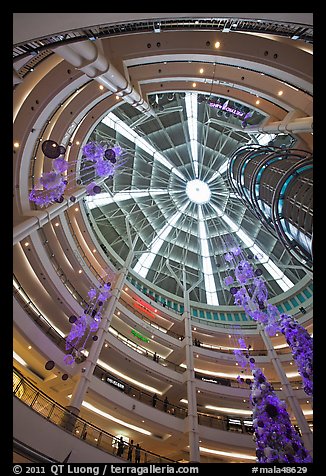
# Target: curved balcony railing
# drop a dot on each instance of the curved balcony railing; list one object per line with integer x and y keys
{"x": 62, "y": 417}
{"x": 100, "y": 372}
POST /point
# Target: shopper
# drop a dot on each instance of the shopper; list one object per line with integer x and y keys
{"x": 154, "y": 400}
{"x": 165, "y": 404}
{"x": 130, "y": 450}
{"x": 120, "y": 447}
{"x": 137, "y": 453}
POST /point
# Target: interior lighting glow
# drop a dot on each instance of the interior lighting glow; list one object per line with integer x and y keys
{"x": 191, "y": 110}
{"x": 19, "y": 359}
{"x": 198, "y": 191}
{"x": 16, "y": 145}
{"x": 227, "y": 453}
{"x": 145, "y": 261}
{"x": 91, "y": 407}
{"x": 284, "y": 282}
{"x": 280, "y": 93}
{"x": 210, "y": 289}
{"x": 129, "y": 379}
{"x": 217, "y": 44}
{"x": 111, "y": 120}
{"x": 230, "y": 411}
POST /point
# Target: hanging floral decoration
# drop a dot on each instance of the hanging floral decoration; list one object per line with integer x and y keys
{"x": 277, "y": 441}
{"x": 98, "y": 160}
{"x": 249, "y": 291}
{"x": 86, "y": 324}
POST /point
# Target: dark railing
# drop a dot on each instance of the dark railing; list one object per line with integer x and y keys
{"x": 75, "y": 425}
{"x": 60, "y": 341}
{"x": 36, "y": 45}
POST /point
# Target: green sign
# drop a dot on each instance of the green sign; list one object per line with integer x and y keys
{"x": 139, "y": 335}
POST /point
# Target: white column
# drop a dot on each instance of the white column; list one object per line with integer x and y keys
{"x": 38, "y": 218}
{"x": 288, "y": 391}
{"x": 191, "y": 383}
{"x": 88, "y": 366}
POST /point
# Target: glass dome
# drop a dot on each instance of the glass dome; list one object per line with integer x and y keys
{"x": 174, "y": 192}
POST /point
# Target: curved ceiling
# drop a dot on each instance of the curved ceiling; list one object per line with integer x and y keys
{"x": 187, "y": 143}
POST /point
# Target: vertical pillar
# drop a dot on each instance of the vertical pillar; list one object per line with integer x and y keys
{"x": 96, "y": 347}
{"x": 191, "y": 383}
{"x": 288, "y": 391}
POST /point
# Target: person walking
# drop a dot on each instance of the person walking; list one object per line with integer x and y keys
{"x": 165, "y": 404}
{"x": 154, "y": 399}
{"x": 137, "y": 453}
{"x": 130, "y": 450}
{"x": 120, "y": 447}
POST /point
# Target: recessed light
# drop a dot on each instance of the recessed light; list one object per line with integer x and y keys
{"x": 280, "y": 93}
{"x": 106, "y": 344}
{"x": 257, "y": 102}
{"x": 77, "y": 142}
{"x": 94, "y": 251}
{"x": 26, "y": 243}
{"x": 76, "y": 209}
{"x": 16, "y": 145}
{"x": 217, "y": 44}
{"x": 29, "y": 347}
{"x": 201, "y": 70}
{"x": 194, "y": 85}
{"x": 126, "y": 289}
{"x": 118, "y": 313}
{"x": 117, "y": 97}
{"x": 101, "y": 87}
{"x": 80, "y": 271}
{"x": 56, "y": 224}
{"x": 195, "y": 328}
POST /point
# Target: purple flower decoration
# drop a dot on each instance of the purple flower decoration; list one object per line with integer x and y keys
{"x": 228, "y": 280}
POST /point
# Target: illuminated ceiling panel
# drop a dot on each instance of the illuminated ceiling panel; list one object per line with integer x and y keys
{"x": 174, "y": 192}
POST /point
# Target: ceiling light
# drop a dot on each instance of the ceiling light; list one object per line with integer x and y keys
{"x": 198, "y": 191}
{"x": 257, "y": 102}
{"x": 201, "y": 70}
{"x": 80, "y": 271}
{"x": 227, "y": 453}
{"x": 26, "y": 243}
{"x": 56, "y": 224}
{"x": 126, "y": 289}
{"x": 106, "y": 344}
{"x": 77, "y": 142}
{"x": 118, "y": 313}
{"x": 217, "y": 44}
{"x": 94, "y": 250}
{"x": 280, "y": 93}
{"x": 194, "y": 85}
{"x": 101, "y": 87}
{"x": 76, "y": 209}
{"x": 16, "y": 145}
{"x": 29, "y": 347}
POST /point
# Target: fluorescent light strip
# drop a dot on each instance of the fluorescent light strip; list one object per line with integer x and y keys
{"x": 91, "y": 407}
{"x": 218, "y": 374}
{"x": 191, "y": 109}
{"x": 229, "y": 454}
{"x": 19, "y": 359}
{"x": 231, "y": 411}
{"x": 268, "y": 264}
{"x": 32, "y": 306}
{"x": 112, "y": 121}
{"x": 210, "y": 289}
{"x": 146, "y": 260}
{"x": 129, "y": 379}
{"x": 106, "y": 198}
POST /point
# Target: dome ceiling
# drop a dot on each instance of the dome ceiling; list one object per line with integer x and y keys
{"x": 174, "y": 192}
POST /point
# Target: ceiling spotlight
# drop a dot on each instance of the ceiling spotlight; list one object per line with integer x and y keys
{"x": 280, "y": 93}
{"x": 217, "y": 44}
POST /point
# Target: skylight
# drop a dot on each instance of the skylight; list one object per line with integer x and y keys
{"x": 198, "y": 191}
{"x": 111, "y": 120}
{"x": 191, "y": 109}
{"x": 211, "y": 295}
